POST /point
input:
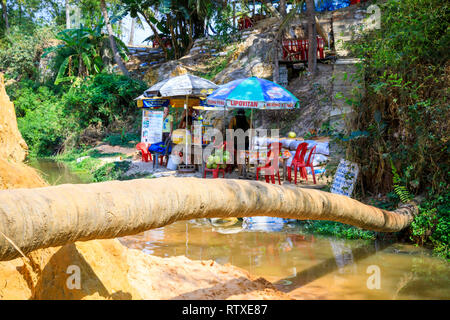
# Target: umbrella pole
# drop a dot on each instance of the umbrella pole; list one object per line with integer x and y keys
{"x": 186, "y": 129}
{"x": 223, "y": 121}
{"x": 251, "y": 128}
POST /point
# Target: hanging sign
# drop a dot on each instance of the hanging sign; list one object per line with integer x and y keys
{"x": 152, "y": 123}
{"x": 179, "y": 102}
{"x": 153, "y": 103}
{"x": 345, "y": 178}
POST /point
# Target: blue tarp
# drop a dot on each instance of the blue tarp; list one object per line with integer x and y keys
{"x": 329, "y": 5}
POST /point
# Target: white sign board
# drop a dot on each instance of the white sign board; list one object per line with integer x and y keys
{"x": 345, "y": 178}
{"x": 283, "y": 76}
{"x": 152, "y": 123}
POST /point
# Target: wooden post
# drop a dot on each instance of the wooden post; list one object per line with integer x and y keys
{"x": 321, "y": 32}
{"x": 234, "y": 15}
{"x": 276, "y": 67}
{"x": 186, "y": 129}
{"x": 312, "y": 48}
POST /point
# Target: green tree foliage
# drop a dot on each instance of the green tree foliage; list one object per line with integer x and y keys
{"x": 179, "y": 21}
{"x": 405, "y": 115}
{"x": 20, "y": 51}
{"x": 103, "y": 99}
{"x": 49, "y": 115}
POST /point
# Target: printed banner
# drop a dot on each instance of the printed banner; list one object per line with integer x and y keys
{"x": 152, "y": 123}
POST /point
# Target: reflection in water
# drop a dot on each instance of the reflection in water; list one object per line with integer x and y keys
{"x": 343, "y": 261}
{"x": 342, "y": 254}
{"x": 304, "y": 265}
{"x": 57, "y": 172}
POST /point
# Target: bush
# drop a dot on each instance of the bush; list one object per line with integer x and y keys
{"x": 48, "y": 116}
{"x": 123, "y": 139}
{"x": 432, "y": 224}
{"x": 39, "y": 116}
{"x": 20, "y": 52}
{"x": 111, "y": 171}
{"x": 103, "y": 99}
{"x": 403, "y": 119}
{"x": 337, "y": 229}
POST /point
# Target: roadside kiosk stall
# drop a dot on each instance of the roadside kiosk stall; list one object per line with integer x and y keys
{"x": 179, "y": 92}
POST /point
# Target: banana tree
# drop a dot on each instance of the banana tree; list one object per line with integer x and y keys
{"x": 80, "y": 52}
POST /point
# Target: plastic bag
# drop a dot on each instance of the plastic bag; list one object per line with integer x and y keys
{"x": 323, "y": 148}
{"x": 158, "y": 147}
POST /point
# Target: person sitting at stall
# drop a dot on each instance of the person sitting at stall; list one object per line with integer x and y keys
{"x": 167, "y": 124}
{"x": 239, "y": 121}
{"x": 182, "y": 124}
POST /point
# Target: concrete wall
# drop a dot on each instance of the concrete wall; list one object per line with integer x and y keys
{"x": 347, "y": 84}
{"x": 345, "y": 21}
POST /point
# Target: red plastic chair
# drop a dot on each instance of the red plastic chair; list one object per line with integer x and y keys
{"x": 146, "y": 156}
{"x": 309, "y": 164}
{"x": 297, "y": 161}
{"x": 269, "y": 168}
{"x": 244, "y": 23}
{"x": 215, "y": 172}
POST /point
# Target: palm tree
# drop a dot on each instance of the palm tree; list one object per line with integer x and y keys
{"x": 68, "y": 213}
{"x": 5, "y": 15}
{"x": 112, "y": 38}
{"x": 312, "y": 37}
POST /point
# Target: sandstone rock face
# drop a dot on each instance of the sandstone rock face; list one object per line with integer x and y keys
{"x": 164, "y": 71}
{"x": 17, "y": 175}
{"x": 108, "y": 270}
{"x": 252, "y": 56}
{"x": 251, "y": 59}
{"x": 315, "y": 95}
{"x": 13, "y": 147}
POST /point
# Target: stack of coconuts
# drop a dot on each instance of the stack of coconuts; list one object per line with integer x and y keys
{"x": 218, "y": 160}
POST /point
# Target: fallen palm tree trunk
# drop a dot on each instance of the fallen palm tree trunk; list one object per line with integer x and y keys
{"x": 57, "y": 215}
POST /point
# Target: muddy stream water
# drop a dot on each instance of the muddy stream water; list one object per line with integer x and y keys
{"x": 306, "y": 266}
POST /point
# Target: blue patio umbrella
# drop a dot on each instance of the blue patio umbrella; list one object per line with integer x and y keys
{"x": 254, "y": 93}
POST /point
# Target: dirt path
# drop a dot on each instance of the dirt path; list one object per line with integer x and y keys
{"x": 106, "y": 148}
